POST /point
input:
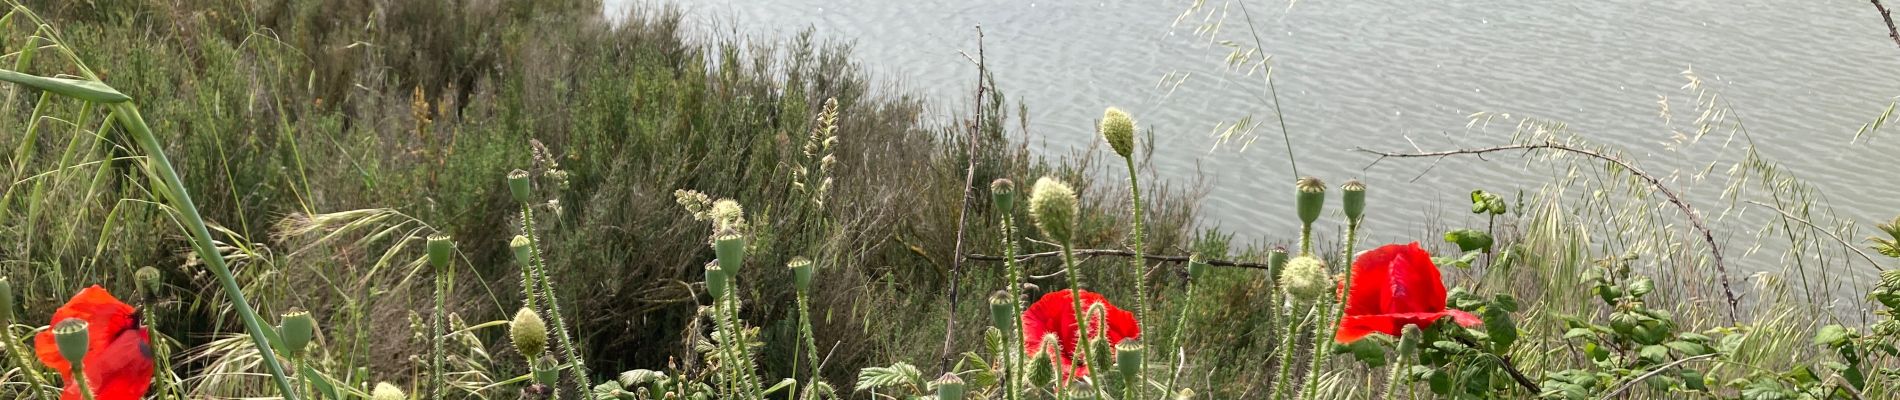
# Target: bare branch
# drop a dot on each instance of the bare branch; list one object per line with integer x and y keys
{"x": 1116, "y": 253}
{"x": 1695, "y": 218}
{"x": 1887, "y": 15}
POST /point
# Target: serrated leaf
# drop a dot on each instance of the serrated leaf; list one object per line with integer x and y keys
{"x": 896, "y": 374}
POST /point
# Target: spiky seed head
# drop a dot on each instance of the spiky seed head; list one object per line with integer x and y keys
{"x": 1276, "y": 261}
{"x": 1352, "y": 199}
{"x": 1002, "y": 313}
{"x": 1409, "y": 340}
{"x": 6, "y": 301}
{"x": 529, "y": 333}
{"x": 949, "y": 387}
{"x": 386, "y": 391}
{"x": 1052, "y": 205}
{"x": 1312, "y": 199}
{"x": 73, "y": 339}
{"x": 523, "y": 249}
{"x": 1129, "y": 358}
{"x": 148, "y": 280}
{"x": 1119, "y": 129}
{"x": 546, "y": 370}
{"x": 441, "y": 249}
{"x": 1305, "y": 278}
{"x": 297, "y": 328}
{"x": 1197, "y": 266}
{"x": 715, "y": 280}
{"x": 520, "y": 186}
{"x": 801, "y": 273}
{"x": 1003, "y": 195}
{"x": 729, "y": 246}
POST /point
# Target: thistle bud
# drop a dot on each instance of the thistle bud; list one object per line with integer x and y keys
{"x": 715, "y": 280}
{"x": 1002, "y": 313}
{"x": 1305, "y": 278}
{"x": 1352, "y": 198}
{"x": 1276, "y": 261}
{"x": 148, "y": 280}
{"x": 529, "y": 333}
{"x": 6, "y": 302}
{"x": 1119, "y": 129}
{"x": 441, "y": 248}
{"x": 1312, "y": 199}
{"x": 73, "y": 339}
{"x": 1128, "y": 358}
{"x": 520, "y": 187}
{"x": 297, "y": 328}
{"x": 949, "y": 387}
{"x": 546, "y": 370}
{"x": 1003, "y": 194}
{"x": 523, "y": 248}
{"x": 729, "y": 246}
{"x": 1409, "y": 340}
{"x": 1052, "y": 205}
{"x": 1197, "y": 266}
{"x": 386, "y": 391}
{"x": 801, "y": 273}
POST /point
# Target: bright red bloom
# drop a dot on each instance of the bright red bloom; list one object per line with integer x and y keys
{"x": 1394, "y": 286}
{"x": 119, "y": 364}
{"x": 1055, "y": 313}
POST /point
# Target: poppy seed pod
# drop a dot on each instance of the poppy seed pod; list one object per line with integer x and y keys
{"x": 1119, "y": 129}
{"x": 949, "y": 387}
{"x": 6, "y": 301}
{"x": 529, "y": 333}
{"x": 715, "y": 280}
{"x": 546, "y": 370}
{"x": 1276, "y": 261}
{"x": 1002, "y": 314}
{"x": 1128, "y": 359}
{"x": 297, "y": 327}
{"x": 520, "y": 187}
{"x": 1352, "y": 198}
{"x": 441, "y": 248}
{"x": 523, "y": 248}
{"x": 801, "y": 273}
{"x": 72, "y": 335}
{"x": 148, "y": 279}
{"x": 729, "y": 246}
{"x": 1003, "y": 194}
{"x": 1312, "y": 199}
{"x": 1197, "y": 266}
{"x": 1052, "y": 205}
{"x": 386, "y": 391}
{"x": 1305, "y": 278}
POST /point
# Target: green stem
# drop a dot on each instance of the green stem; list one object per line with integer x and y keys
{"x": 1081, "y": 323}
{"x": 1281, "y": 387}
{"x": 1139, "y": 262}
{"x": 201, "y": 242}
{"x": 25, "y": 365}
{"x": 1392, "y": 376}
{"x": 437, "y": 323}
{"x": 1014, "y": 364}
{"x": 1323, "y": 333}
{"x": 554, "y": 304}
{"x": 79, "y": 377}
{"x": 1174, "y": 341}
{"x": 811, "y": 342}
{"x": 1306, "y": 239}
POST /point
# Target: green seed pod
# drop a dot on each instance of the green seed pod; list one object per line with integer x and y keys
{"x": 949, "y": 387}
{"x": 1352, "y": 198}
{"x": 716, "y": 280}
{"x": 1128, "y": 358}
{"x": 1305, "y": 279}
{"x": 1276, "y": 261}
{"x": 297, "y": 328}
{"x": 441, "y": 248}
{"x": 1002, "y": 314}
{"x": 1053, "y": 206}
{"x": 1119, "y": 129}
{"x": 729, "y": 246}
{"x": 547, "y": 371}
{"x": 386, "y": 391}
{"x": 1081, "y": 389}
{"x": 523, "y": 248}
{"x": 73, "y": 339}
{"x": 1197, "y": 266}
{"x": 6, "y": 302}
{"x": 529, "y": 333}
{"x": 801, "y": 273}
{"x": 149, "y": 280}
{"x": 1408, "y": 342}
{"x": 1003, "y": 194}
{"x": 520, "y": 187}
{"x": 1312, "y": 199}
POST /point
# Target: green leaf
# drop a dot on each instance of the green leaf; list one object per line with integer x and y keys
{"x": 1503, "y": 331}
{"x": 896, "y": 374}
{"x": 1640, "y": 286}
{"x": 1574, "y": 333}
{"x": 1505, "y": 301}
{"x": 93, "y": 91}
{"x": 1654, "y": 354}
{"x": 1689, "y": 349}
{"x": 1469, "y": 240}
{"x": 1368, "y": 352}
{"x": 1694, "y": 380}
{"x": 1832, "y": 336}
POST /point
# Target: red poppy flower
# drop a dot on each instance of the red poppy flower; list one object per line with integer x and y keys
{"x": 1055, "y": 313}
{"x": 119, "y": 365}
{"x": 1394, "y": 286}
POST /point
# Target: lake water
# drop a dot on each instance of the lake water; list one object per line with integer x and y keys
{"x": 1385, "y": 74}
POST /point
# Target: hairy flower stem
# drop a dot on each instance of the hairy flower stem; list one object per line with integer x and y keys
{"x": 1139, "y": 262}
{"x": 1392, "y": 376}
{"x": 1282, "y": 387}
{"x": 1081, "y": 323}
{"x": 79, "y": 378}
{"x": 742, "y": 357}
{"x": 25, "y": 366}
{"x": 1306, "y": 239}
{"x": 437, "y": 331}
{"x": 554, "y": 303}
{"x": 1174, "y": 341}
{"x": 811, "y": 343}
{"x": 1013, "y": 364}
{"x": 1323, "y": 332}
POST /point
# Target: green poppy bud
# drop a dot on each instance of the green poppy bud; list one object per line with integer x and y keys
{"x": 1197, "y": 266}
{"x": 6, "y": 302}
{"x": 1312, "y": 199}
{"x": 1128, "y": 358}
{"x": 1042, "y": 366}
{"x": 529, "y": 333}
{"x": 1276, "y": 261}
{"x": 73, "y": 339}
{"x": 1052, "y": 205}
{"x": 949, "y": 387}
{"x": 801, "y": 273}
{"x": 1003, "y": 194}
{"x": 1119, "y": 129}
{"x": 523, "y": 248}
{"x": 729, "y": 246}
{"x": 1352, "y": 198}
{"x": 716, "y": 280}
{"x": 297, "y": 328}
{"x": 520, "y": 187}
{"x": 1305, "y": 278}
{"x": 386, "y": 391}
{"x": 149, "y": 280}
{"x": 441, "y": 248}
{"x": 1002, "y": 313}
{"x": 1409, "y": 340}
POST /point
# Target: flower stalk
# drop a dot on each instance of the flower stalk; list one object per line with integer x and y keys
{"x": 1003, "y": 193}
{"x": 540, "y": 274}
{"x": 1353, "y": 201}
{"x": 1119, "y": 130}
